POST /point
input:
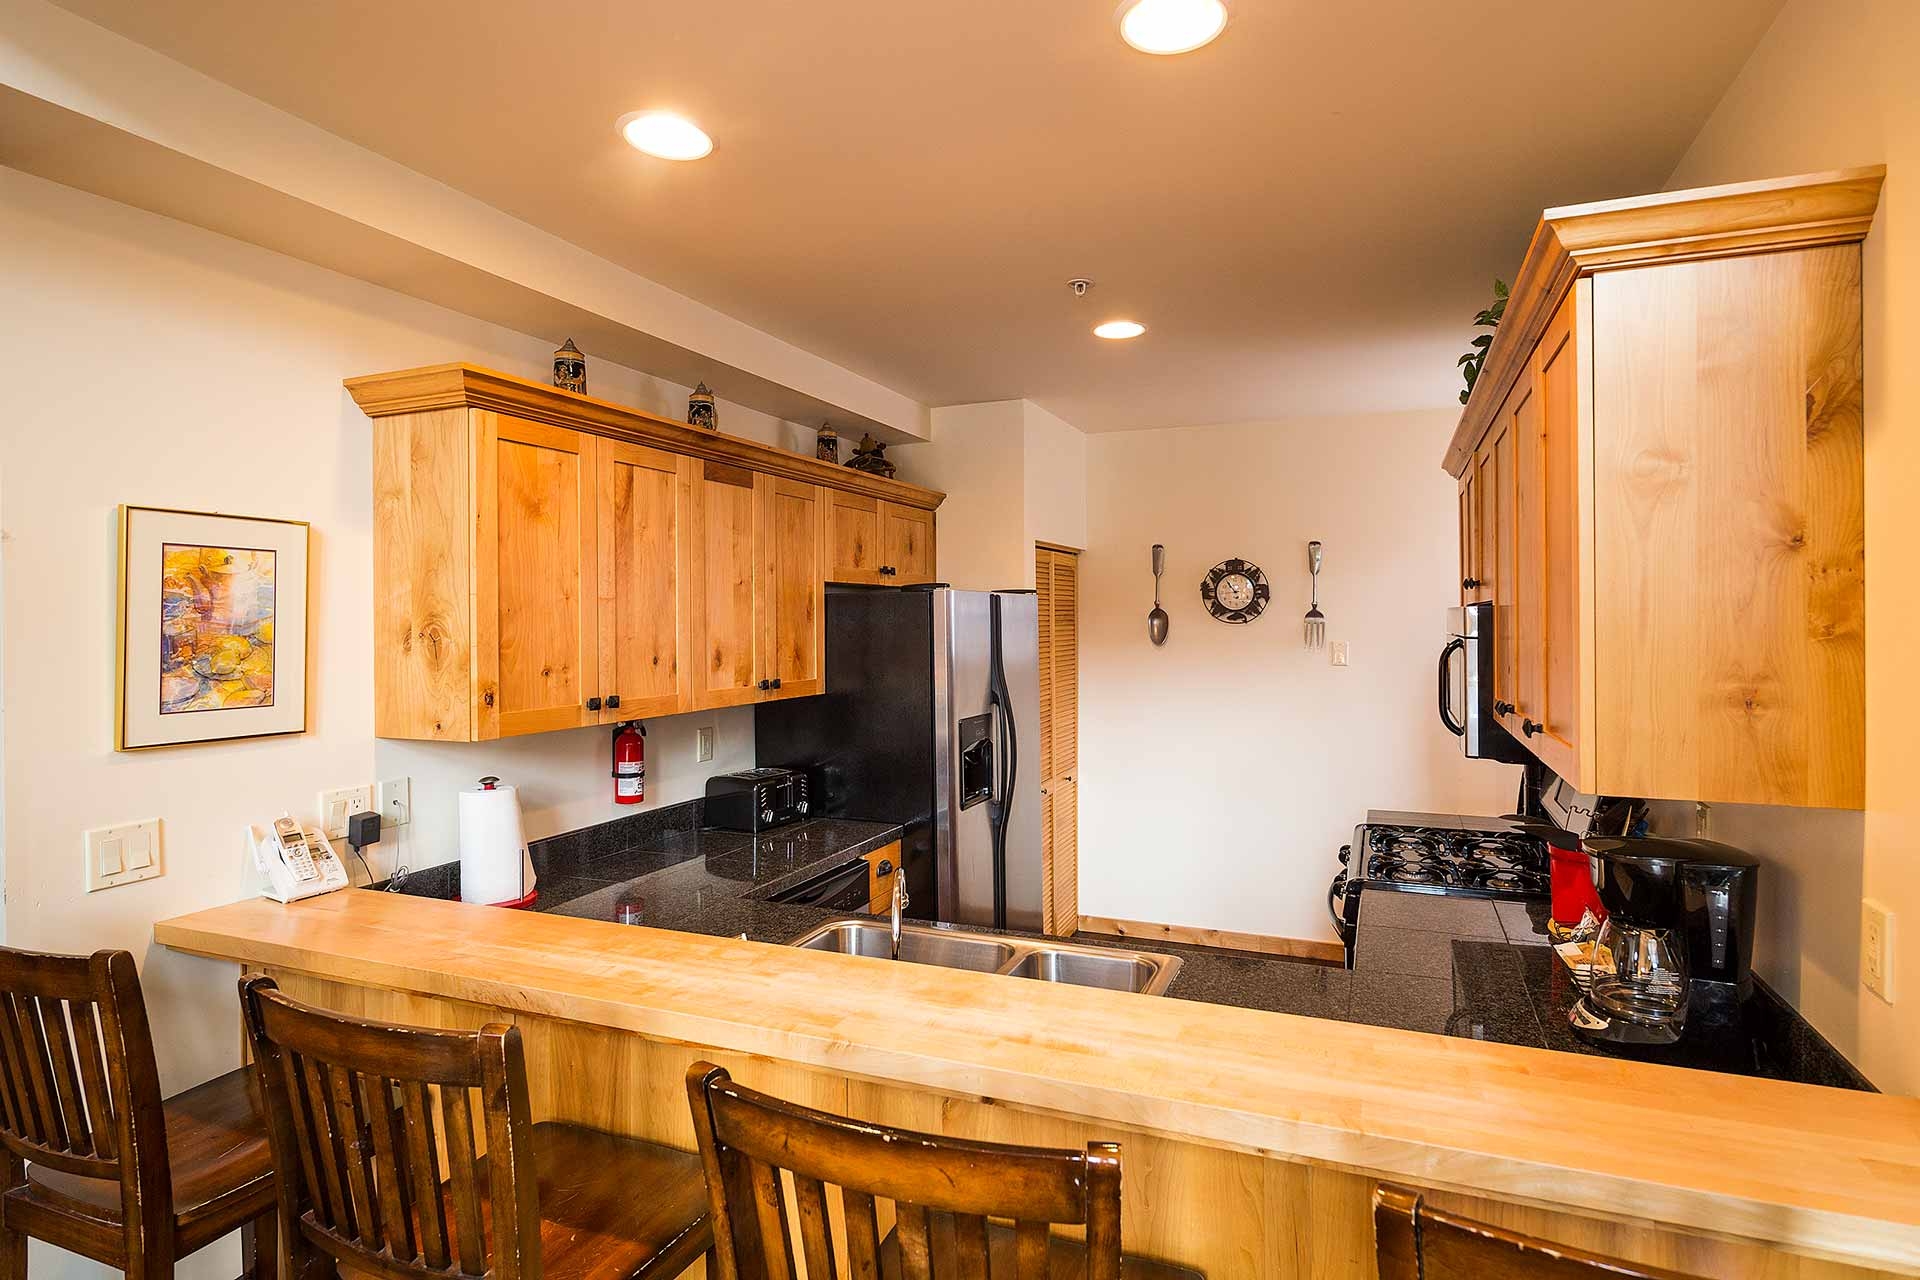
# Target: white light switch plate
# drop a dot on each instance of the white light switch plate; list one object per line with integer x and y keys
{"x": 1339, "y": 652}
{"x": 121, "y": 855}
{"x": 1876, "y": 949}
{"x": 396, "y": 802}
{"x": 703, "y": 743}
{"x": 336, "y": 805}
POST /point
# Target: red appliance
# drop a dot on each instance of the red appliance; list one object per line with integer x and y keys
{"x": 630, "y": 763}
{"x": 1574, "y": 893}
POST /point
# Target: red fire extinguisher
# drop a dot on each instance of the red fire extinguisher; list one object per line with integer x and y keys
{"x": 630, "y": 763}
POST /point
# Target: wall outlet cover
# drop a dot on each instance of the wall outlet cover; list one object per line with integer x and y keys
{"x": 703, "y": 744}
{"x": 396, "y": 802}
{"x": 1876, "y": 949}
{"x": 1338, "y": 651}
{"x": 336, "y": 805}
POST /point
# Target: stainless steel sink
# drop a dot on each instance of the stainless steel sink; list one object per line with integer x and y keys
{"x": 949, "y": 950}
{"x": 1110, "y": 968}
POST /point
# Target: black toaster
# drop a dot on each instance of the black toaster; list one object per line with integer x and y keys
{"x": 755, "y": 799}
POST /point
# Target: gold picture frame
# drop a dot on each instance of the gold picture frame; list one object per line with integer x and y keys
{"x": 213, "y": 627}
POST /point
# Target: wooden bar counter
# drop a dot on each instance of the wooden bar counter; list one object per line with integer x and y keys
{"x": 1252, "y": 1141}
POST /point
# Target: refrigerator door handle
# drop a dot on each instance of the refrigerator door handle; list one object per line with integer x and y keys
{"x": 1001, "y": 806}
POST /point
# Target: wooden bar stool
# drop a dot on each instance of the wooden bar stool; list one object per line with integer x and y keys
{"x": 363, "y": 1116}
{"x": 943, "y": 1190}
{"x": 1414, "y": 1241}
{"x": 97, "y": 1162}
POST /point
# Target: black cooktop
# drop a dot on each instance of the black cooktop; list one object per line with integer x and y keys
{"x": 1421, "y": 859}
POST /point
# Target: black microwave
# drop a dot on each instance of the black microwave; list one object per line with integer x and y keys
{"x": 1466, "y": 688}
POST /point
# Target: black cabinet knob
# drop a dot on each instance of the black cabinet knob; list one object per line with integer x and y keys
{"x": 593, "y": 704}
{"x": 776, "y": 682}
{"x": 1531, "y": 727}
{"x": 885, "y": 868}
{"x": 1469, "y": 584}
{"x": 1502, "y": 708}
{"x": 613, "y": 700}
{"x": 765, "y": 685}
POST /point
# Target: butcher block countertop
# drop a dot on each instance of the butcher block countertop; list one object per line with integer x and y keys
{"x": 1826, "y": 1172}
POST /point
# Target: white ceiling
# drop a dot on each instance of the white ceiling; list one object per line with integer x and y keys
{"x": 1306, "y": 214}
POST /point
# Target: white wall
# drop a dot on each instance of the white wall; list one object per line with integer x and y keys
{"x": 1220, "y": 773}
{"x": 1837, "y": 83}
{"x": 149, "y": 362}
{"x": 1014, "y": 474}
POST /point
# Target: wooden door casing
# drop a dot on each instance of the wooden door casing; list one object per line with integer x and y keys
{"x": 644, "y": 565}
{"x": 790, "y": 547}
{"x": 856, "y": 538}
{"x": 725, "y": 633}
{"x": 536, "y": 632}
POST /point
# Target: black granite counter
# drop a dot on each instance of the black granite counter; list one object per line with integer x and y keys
{"x": 1451, "y": 966}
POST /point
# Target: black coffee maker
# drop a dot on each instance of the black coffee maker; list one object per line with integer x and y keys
{"x": 1679, "y": 932}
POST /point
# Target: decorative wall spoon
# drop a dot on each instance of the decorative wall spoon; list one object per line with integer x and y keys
{"x": 1157, "y": 620}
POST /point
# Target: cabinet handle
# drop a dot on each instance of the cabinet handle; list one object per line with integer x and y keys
{"x": 765, "y": 685}
{"x": 885, "y": 868}
{"x": 1469, "y": 584}
{"x": 1531, "y": 727}
{"x": 613, "y": 701}
{"x": 886, "y": 571}
{"x": 593, "y": 704}
{"x": 1503, "y": 708}
{"x": 776, "y": 682}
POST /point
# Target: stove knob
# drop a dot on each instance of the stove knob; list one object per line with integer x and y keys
{"x": 766, "y": 817}
{"x": 1346, "y": 853}
{"x": 800, "y": 807}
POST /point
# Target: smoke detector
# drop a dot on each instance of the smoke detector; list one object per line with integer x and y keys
{"x": 1079, "y": 285}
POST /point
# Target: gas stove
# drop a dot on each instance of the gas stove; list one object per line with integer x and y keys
{"x": 1438, "y": 854}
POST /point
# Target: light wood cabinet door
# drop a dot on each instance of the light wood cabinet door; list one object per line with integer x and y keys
{"x": 724, "y": 630}
{"x": 1486, "y": 524}
{"x": 793, "y": 566}
{"x": 856, "y": 538}
{"x": 1557, "y": 697}
{"x": 909, "y": 544}
{"x": 535, "y": 594}
{"x": 1501, "y": 559}
{"x": 644, "y": 564}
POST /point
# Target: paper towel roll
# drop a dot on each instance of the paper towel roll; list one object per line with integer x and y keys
{"x": 494, "y": 864}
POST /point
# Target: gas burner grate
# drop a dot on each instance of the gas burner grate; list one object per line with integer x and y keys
{"x": 1495, "y": 863}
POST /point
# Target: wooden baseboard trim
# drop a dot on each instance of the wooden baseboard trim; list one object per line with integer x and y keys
{"x": 1293, "y": 948}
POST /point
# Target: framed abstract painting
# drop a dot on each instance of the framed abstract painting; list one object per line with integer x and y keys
{"x": 213, "y": 628}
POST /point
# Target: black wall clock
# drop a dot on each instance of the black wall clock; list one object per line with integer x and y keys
{"x": 1235, "y": 591}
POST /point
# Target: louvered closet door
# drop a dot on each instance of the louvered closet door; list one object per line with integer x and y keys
{"x": 1057, "y": 578}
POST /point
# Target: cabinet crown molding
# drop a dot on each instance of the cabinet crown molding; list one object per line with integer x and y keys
{"x": 468, "y": 386}
{"x": 1834, "y": 207}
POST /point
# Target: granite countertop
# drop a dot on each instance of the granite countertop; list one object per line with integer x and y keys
{"x": 1447, "y": 965}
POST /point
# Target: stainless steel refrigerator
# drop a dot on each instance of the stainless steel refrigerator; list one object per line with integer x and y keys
{"x": 931, "y": 719}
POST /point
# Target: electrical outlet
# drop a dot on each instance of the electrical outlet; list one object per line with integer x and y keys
{"x": 122, "y": 855}
{"x": 1876, "y": 949}
{"x": 335, "y": 805}
{"x": 1702, "y": 819}
{"x": 396, "y": 802}
{"x": 703, "y": 744}
{"x": 1339, "y": 652}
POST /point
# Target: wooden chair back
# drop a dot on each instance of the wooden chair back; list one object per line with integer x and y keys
{"x": 79, "y": 1088}
{"x": 747, "y": 1139}
{"x": 359, "y": 1114}
{"x": 1415, "y": 1241}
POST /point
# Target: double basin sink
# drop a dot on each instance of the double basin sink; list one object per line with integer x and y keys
{"x": 1112, "y": 969}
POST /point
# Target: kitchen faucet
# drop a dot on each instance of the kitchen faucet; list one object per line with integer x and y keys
{"x": 899, "y": 905}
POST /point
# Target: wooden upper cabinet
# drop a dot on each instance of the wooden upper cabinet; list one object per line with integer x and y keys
{"x": 646, "y": 560}
{"x": 1668, "y": 434}
{"x": 726, "y": 634}
{"x": 909, "y": 544}
{"x": 878, "y": 542}
{"x": 534, "y": 548}
{"x": 574, "y": 562}
{"x": 793, "y": 585}
{"x": 856, "y": 541}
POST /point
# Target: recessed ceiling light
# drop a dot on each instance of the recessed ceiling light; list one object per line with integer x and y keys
{"x": 1171, "y": 26}
{"x": 666, "y": 135}
{"x": 1118, "y": 329}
